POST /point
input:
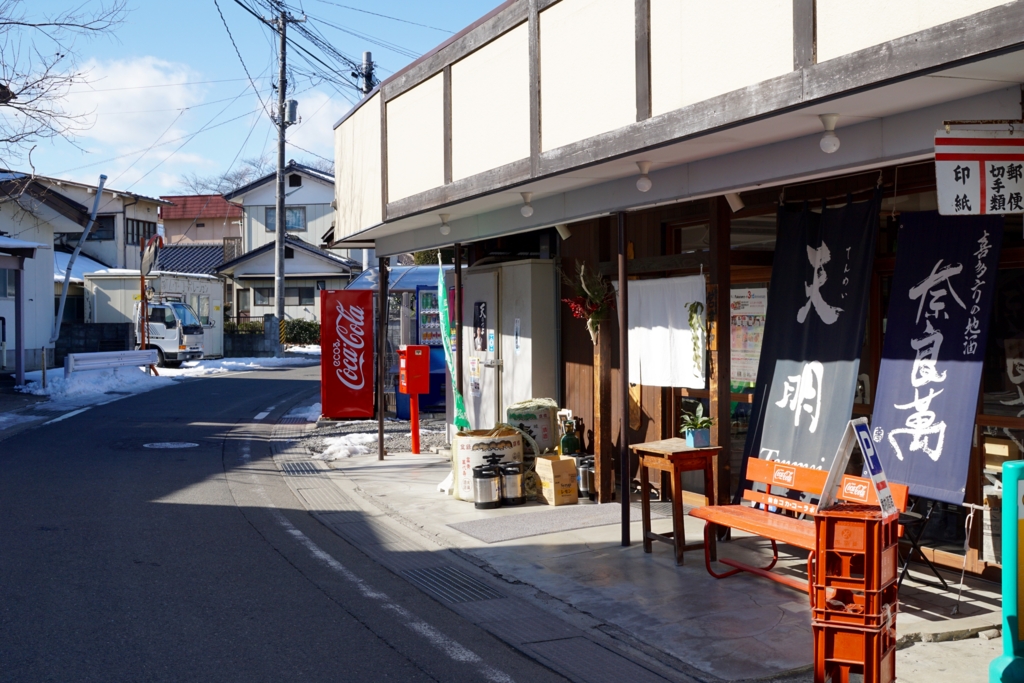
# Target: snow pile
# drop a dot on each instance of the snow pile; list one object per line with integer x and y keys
{"x": 204, "y": 368}
{"x": 307, "y": 349}
{"x": 11, "y": 419}
{"x": 346, "y": 446}
{"x": 93, "y": 383}
{"x": 309, "y": 413}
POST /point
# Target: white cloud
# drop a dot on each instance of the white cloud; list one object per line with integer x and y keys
{"x": 319, "y": 112}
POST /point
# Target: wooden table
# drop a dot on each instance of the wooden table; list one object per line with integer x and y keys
{"x": 674, "y": 457}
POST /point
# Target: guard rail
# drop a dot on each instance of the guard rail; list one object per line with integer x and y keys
{"x": 104, "y": 360}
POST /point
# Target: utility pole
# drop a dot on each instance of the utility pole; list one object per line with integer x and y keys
{"x": 286, "y": 111}
{"x": 366, "y": 73}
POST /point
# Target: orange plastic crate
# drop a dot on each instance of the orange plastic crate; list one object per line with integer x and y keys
{"x": 843, "y": 650}
{"x": 868, "y": 609}
{"x": 855, "y": 548}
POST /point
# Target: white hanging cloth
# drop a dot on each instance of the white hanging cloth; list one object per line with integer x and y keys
{"x": 661, "y": 352}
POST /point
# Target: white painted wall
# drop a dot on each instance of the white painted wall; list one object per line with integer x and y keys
{"x": 304, "y": 262}
{"x": 318, "y": 220}
{"x": 308, "y": 312}
{"x": 701, "y": 49}
{"x": 845, "y": 26}
{"x": 416, "y": 139}
{"x": 358, "y": 170}
{"x": 491, "y": 105}
{"x": 587, "y": 69}
{"x": 38, "y": 281}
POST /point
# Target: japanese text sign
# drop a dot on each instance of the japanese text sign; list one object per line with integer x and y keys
{"x": 939, "y": 310}
{"x": 979, "y": 172}
{"x": 346, "y": 343}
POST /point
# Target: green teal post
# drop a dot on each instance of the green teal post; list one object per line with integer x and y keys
{"x": 1009, "y": 668}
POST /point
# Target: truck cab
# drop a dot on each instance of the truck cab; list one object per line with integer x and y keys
{"x": 174, "y": 330}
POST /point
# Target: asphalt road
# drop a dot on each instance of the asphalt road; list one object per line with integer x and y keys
{"x": 125, "y": 563}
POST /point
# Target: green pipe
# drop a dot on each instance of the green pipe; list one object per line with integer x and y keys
{"x": 1009, "y": 668}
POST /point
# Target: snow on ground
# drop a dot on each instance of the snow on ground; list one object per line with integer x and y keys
{"x": 308, "y": 413}
{"x": 92, "y": 384}
{"x": 308, "y": 349}
{"x": 203, "y": 368}
{"x": 346, "y": 446}
{"x": 11, "y": 419}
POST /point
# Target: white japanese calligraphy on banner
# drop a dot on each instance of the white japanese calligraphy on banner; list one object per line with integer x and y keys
{"x": 979, "y": 172}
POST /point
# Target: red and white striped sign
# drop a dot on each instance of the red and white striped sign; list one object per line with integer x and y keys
{"x": 979, "y": 172}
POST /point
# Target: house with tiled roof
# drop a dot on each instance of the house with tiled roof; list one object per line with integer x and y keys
{"x": 200, "y": 218}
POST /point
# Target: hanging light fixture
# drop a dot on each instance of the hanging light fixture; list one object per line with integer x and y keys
{"x": 829, "y": 140}
{"x": 527, "y": 208}
{"x": 445, "y": 228}
{"x": 643, "y": 183}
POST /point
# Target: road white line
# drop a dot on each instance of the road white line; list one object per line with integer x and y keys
{"x": 260, "y": 416}
{"x": 452, "y": 648}
{"x": 66, "y": 416}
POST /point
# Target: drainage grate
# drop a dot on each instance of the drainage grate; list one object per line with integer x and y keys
{"x": 300, "y": 469}
{"x": 451, "y": 585}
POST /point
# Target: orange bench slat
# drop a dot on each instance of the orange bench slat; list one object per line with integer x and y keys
{"x": 796, "y": 532}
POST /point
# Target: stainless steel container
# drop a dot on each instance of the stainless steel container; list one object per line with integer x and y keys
{"x": 512, "y": 484}
{"x": 486, "y": 487}
{"x": 582, "y": 477}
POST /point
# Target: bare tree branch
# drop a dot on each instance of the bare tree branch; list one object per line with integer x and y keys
{"x": 39, "y": 63}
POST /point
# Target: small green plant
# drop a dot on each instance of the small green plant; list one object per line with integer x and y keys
{"x": 299, "y": 331}
{"x": 696, "y": 419}
{"x": 696, "y": 327}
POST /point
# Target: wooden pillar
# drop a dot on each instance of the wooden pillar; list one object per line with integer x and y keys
{"x": 623, "y": 381}
{"x": 603, "y": 413}
{"x": 719, "y": 372}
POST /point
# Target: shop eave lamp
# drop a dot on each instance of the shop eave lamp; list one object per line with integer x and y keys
{"x": 445, "y": 228}
{"x": 527, "y": 208}
{"x": 829, "y": 140}
{"x": 643, "y": 183}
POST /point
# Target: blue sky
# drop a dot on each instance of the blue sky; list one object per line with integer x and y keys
{"x": 170, "y": 70}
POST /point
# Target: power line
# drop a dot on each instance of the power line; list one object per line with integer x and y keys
{"x": 385, "y": 16}
{"x": 237, "y": 52}
{"x": 158, "y": 85}
{"x": 147, "y": 150}
{"x": 310, "y": 152}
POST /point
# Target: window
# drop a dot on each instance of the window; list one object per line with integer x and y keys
{"x": 294, "y": 216}
{"x": 289, "y": 252}
{"x": 264, "y": 296}
{"x": 243, "y": 302}
{"x": 103, "y": 229}
{"x": 294, "y": 180}
{"x": 200, "y": 303}
{"x": 299, "y": 296}
{"x": 321, "y": 285}
{"x": 138, "y": 232}
{"x": 6, "y": 283}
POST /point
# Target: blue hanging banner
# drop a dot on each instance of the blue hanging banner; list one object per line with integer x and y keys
{"x": 814, "y": 331}
{"x": 939, "y": 308}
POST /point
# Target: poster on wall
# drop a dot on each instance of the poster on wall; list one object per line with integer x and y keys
{"x": 814, "y": 329}
{"x": 480, "y": 326}
{"x": 346, "y": 343}
{"x": 939, "y": 309}
{"x": 979, "y": 172}
{"x": 747, "y": 309}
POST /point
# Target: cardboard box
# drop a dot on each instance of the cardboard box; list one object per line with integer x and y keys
{"x": 557, "y": 476}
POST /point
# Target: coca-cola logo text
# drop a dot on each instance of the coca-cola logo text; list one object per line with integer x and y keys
{"x": 856, "y": 489}
{"x": 784, "y": 475}
{"x": 349, "y": 348}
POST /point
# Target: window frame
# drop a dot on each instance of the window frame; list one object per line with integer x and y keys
{"x": 94, "y": 234}
{"x": 270, "y": 225}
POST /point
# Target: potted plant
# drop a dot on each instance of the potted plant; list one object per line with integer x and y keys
{"x": 696, "y": 427}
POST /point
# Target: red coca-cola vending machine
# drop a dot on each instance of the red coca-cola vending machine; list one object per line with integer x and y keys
{"x": 346, "y": 343}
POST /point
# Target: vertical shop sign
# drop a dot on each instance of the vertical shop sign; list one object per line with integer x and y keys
{"x": 939, "y": 309}
{"x": 747, "y": 308}
{"x": 814, "y": 330}
{"x": 979, "y": 172}
{"x": 346, "y": 342}
{"x": 480, "y": 326}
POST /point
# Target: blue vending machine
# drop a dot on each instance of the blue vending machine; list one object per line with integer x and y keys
{"x": 428, "y": 332}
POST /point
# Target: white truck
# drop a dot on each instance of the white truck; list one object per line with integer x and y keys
{"x": 185, "y": 310}
{"x": 173, "y": 329}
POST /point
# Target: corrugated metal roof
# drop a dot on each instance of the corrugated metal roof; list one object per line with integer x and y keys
{"x": 190, "y": 258}
{"x": 190, "y": 207}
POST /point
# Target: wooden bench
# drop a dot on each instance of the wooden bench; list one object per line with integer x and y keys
{"x": 783, "y": 526}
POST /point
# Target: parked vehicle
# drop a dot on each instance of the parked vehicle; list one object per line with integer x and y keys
{"x": 173, "y": 330}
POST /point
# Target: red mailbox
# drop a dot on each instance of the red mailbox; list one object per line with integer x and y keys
{"x": 414, "y": 369}
{"x": 414, "y": 379}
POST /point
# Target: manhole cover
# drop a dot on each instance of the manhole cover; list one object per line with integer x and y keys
{"x": 171, "y": 444}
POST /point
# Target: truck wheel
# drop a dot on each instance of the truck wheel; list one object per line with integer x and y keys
{"x": 160, "y": 362}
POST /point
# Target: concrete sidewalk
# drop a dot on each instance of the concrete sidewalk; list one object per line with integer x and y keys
{"x": 676, "y": 623}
